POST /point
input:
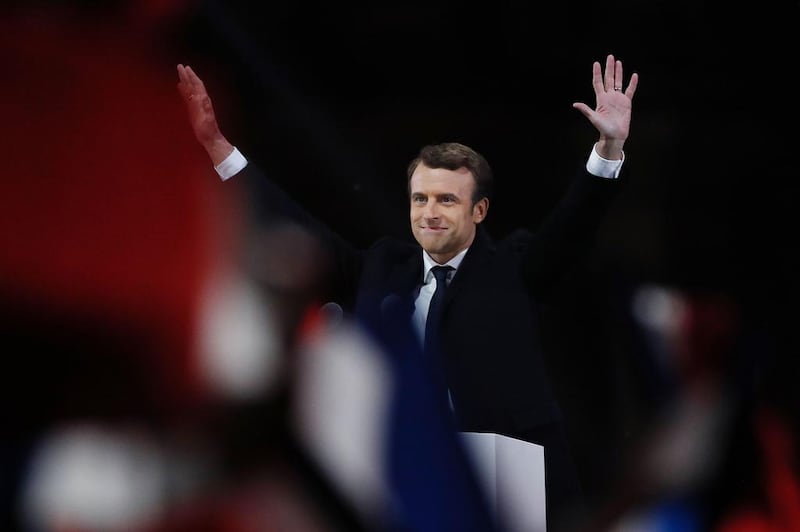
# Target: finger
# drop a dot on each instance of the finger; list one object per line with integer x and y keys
{"x": 597, "y": 77}
{"x": 632, "y": 84}
{"x": 584, "y": 109}
{"x": 197, "y": 83}
{"x": 609, "y": 74}
{"x": 191, "y": 77}
{"x": 181, "y": 76}
{"x": 618, "y": 79}
{"x": 181, "y": 79}
{"x": 187, "y": 81}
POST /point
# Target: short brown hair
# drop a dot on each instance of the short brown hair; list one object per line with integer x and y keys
{"x": 452, "y": 156}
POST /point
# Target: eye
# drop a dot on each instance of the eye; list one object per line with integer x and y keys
{"x": 418, "y": 199}
{"x": 447, "y": 199}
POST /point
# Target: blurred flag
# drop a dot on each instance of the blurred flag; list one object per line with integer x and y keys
{"x": 367, "y": 408}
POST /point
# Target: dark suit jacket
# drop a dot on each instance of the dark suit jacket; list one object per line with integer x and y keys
{"x": 492, "y": 357}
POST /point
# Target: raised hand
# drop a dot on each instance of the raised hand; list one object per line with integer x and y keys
{"x": 612, "y": 114}
{"x": 201, "y": 115}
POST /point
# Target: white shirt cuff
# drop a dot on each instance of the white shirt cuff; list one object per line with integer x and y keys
{"x": 606, "y": 168}
{"x": 232, "y": 165}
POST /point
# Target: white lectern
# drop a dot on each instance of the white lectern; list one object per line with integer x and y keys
{"x": 512, "y": 472}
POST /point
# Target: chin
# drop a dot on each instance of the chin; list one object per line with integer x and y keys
{"x": 434, "y": 250}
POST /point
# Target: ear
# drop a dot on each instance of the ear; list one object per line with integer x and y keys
{"x": 479, "y": 210}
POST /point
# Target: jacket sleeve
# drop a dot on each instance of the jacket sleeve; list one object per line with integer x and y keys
{"x": 568, "y": 231}
{"x": 270, "y": 205}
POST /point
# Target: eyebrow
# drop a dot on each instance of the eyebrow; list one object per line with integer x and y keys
{"x": 452, "y": 195}
{"x": 448, "y": 195}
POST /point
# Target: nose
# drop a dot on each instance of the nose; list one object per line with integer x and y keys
{"x": 431, "y": 210}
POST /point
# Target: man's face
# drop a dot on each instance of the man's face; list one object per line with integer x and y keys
{"x": 443, "y": 218}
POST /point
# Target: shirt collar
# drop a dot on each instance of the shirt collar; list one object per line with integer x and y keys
{"x": 429, "y": 263}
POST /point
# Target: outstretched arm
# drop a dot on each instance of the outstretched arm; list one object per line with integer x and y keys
{"x": 567, "y": 232}
{"x": 271, "y": 202}
{"x": 612, "y": 114}
{"x": 201, "y": 115}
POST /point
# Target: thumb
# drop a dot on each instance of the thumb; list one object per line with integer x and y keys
{"x": 583, "y": 108}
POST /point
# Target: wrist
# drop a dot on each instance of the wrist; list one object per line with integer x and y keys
{"x": 218, "y": 149}
{"x": 610, "y": 149}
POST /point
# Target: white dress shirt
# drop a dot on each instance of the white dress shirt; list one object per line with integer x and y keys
{"x": 423, "y": 299}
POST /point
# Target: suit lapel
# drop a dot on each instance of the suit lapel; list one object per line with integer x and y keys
{"x": 406, "y": 277}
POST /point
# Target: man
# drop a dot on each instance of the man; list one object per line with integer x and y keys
{"x": 488, "y": 346}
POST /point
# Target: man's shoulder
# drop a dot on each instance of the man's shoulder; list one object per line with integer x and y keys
{"x": 518, "y": 237}
{"x": 506, "y": 248}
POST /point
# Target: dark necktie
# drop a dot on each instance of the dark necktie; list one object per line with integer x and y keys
{"x": 435, "y": 308}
